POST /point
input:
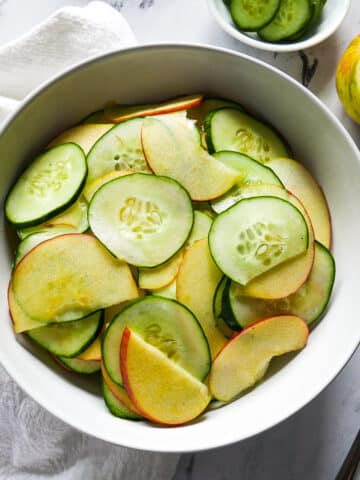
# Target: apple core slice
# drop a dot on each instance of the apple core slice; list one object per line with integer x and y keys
{"x": 161, "y": 390}
{"x": 245, "y": 358}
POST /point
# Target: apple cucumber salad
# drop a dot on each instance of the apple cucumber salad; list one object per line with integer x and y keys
{"x": 276, "y": 20}
{"x": 173, "y": 248}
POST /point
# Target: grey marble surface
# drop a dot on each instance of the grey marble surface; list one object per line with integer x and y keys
{"x": 312, "y": 444}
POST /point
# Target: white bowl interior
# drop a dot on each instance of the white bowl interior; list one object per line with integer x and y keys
{"x": 153, "y": 73}
{"x": 332, "y": 16}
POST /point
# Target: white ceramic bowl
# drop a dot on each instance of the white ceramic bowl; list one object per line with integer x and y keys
{"x": 148, "y": 74}
{"x": 333, "y": 14}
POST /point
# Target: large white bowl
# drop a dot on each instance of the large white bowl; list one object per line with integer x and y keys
{"x": 331, "y": 18}
{"x": 152, "y": 73}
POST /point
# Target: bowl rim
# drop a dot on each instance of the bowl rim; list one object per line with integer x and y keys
{"x": 214, "y": 442}
{"x": 276, "y": 47}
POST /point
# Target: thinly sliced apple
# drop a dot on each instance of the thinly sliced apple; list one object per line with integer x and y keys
{"x": 196, "y": 284}
{"x": 246, "y": 357}
{"x": 173, "y": 149}
{"x": 169, "y": 291}
{"x": 159, "y": 277}
{"x": 118, "y": 392}
{"x": 120, "y": 113}
{"x": 83, "y": 135}
{"x": 162, "y": 391}
{"x": 21, "y": 321}
{"x": 90, "y": 189}
{"x": 286, "y": 278}
{"x": 68, "y": 277}
{"x": 301, "y": 183}
{"x": 201, "y": 227}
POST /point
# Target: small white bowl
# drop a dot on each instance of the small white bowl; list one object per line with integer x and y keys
{"x": 332, "y": 16}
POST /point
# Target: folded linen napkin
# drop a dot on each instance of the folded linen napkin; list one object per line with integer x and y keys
{"x": 33, "y": 443}
{"x": 67, "y": 37}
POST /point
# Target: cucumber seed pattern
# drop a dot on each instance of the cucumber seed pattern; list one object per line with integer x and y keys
{"x": 142, "y": 217}
{"x": 161, "y": 340}
{"x": 128, "y": 158}
{"x": 255, "y": 9}
{"x": 262, "y": 242}
{"x": 50, "y": 178}
{"x": 253, "y": 145}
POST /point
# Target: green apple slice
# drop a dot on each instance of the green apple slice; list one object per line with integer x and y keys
{"x": 246, "y": 357}
{"x": 160, "y": 389}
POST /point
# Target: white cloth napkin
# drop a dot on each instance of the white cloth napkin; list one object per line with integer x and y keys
{"x": 33, "y": 443}
{"x": 67, "y": 37}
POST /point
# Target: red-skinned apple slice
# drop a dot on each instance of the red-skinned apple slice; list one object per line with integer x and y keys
{"x": 162, "y": 391}
{"x": 298, "y": 180}
{"x": 120, "y": 113}
{"x": 118, "y": 392}
{"x": 172, "y": 148}
{"x": 245, "y": 358}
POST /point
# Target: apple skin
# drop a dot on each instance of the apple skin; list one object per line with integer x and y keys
{"x": 348, "y": 88}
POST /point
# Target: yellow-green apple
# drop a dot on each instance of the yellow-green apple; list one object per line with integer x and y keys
{"x": 348, "y": 79}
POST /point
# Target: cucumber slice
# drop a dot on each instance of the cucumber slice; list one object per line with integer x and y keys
{"x": 230, "y": 129}
{"x": 201, "y": 228}
{"x": 253, "y": 173}
{"x": 255, "y": 235}
{"x": 35, "y": 239}
{"x": 119, "y": 149}
{"x": 309, "y": 302}
{"x": 142, "y": 218}
{"x": 164, "y": 323}
{"x": 48, "y": 186}
{"x": 114, "y": 405}
{"x": 292, "y": 17}
{"x": 86, "y": 367}
{"x": 200, "y": 112}
{"x": 221, "y": 305}
{"x": 317, "y": 8}
{"x": 251, "y": 15}
{"x": 74, "y": 217}
{"x": 68, "y": 339}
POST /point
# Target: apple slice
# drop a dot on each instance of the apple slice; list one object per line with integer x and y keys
{"x": 171, "y": 148}
{"x": 21, "y": 321}
{"x": 83, "y": 135}
{"x": 246, "y": 357}
{"x": 120, "y": 113}
{"x": 68, "y": 277}
{"x": 159, "y": 277}
{"x": 93, "y": 352}
{"x": 118, "y": 392}
{"x": 162, "y": 391}
{"x": 196, "y": 284}
{"x": 301, "y": 183}
{"x": 93, "y": 187}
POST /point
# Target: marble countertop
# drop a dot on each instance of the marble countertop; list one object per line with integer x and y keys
{"x": 312, "y": 444}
